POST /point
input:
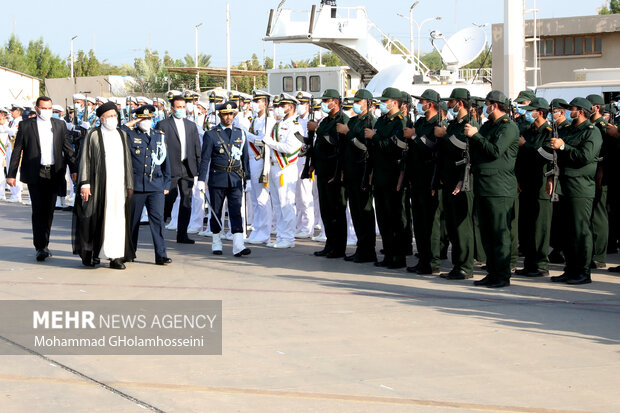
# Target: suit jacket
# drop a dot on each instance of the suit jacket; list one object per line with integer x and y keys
{"x": 214, "y": 153}
{"x": 27, "y": 143}
{"x": 192, "y": 146}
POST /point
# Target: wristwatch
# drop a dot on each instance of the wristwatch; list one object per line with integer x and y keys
{"x": 562, "y": 147}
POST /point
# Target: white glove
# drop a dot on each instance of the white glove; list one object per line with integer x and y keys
{"x": 85, "y": 125}
{"x": 267, "y": 140}
{"x": 202, "y": 187}
{"x": 248, "y": 186}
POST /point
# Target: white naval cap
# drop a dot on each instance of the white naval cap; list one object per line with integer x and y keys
{"x": 58, "y": 108}
{"x": 303, "y": 96}
{"x": 91, "y": 100}
{"x": 101, "y": 99}
{"x": 79, "y": 96}
{"x": 141, "y": 99}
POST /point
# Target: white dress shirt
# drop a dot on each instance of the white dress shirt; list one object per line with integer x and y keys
{"x": 181, "y": 129}
{"x": 46, "y": 139}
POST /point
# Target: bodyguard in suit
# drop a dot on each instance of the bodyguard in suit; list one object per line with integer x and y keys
{"x": 151, "y": 177}
{"x": 184, "y": 156}
{"x": 43, "y": 145}
{"x": 225, "y": 159}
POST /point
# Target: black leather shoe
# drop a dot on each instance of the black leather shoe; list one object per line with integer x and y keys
{"x": 580, "y": 279}
{"x": 41, "y": 255}
{"x": 361, "y": 258}
{"x": 489, "y": 279}
{"x": 351, "y": 257}
{"x": 385, "y": 263}
{"x": 334, "y": 254}
{"x": 117, "y": 264}
{"x": 556, "y": 257}
{"x": 245, "y": 251}
{"x": 322, "y": 253}
{"x": 426, "y": 270}
{"x": 414, "y": 268}
{"x": 186, "y": 240}
{"x": 532, "y": 273}
{"x": 217, "y": 252}
{"x": 560, "y": 278}
{"x": 614, "y": 269}
{"x": 499, "y": 284}
{"x": 162, "y": 260}
{"x": 397, "y": 262}
{"x": 456, "y": 275}
{"x": 598, "y": 265}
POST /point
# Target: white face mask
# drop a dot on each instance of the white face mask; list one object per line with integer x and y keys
{"x": 45, "y": 114}
{"x": 145, "y": 125}
{"x": 189, "y": 106}
{"x": 110, "y": 123}
{"x": 378, "y": 113}
{"x": 255, "y": 107}
{"x": 279, "y": 112}
{"x": 301, "y": 109}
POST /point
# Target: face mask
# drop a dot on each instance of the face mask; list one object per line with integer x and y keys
{"x": 56, "y": 115}
{"x": 318, "y": 115}
{"x": 567, "y": 114}
{"x": 550, "y": 118}
{"x": 421, "y": 111}
{"x": 576, "y": 113}
{"x": 255, "y": 107}
{"x": 110, "y": 123}
{"x": 485, "y": 109}
{"x": 378, "y": 113}
{"x": 521, "y": 111}
{"x": 279, "y": 112}
{"x": 325, "y": 107}
{"x": 383, "y": 108}
{"x": 145, "y": 125}
{"x": 45, "y": 114}
{"x": 301, "y": 110}
{"x": 529, "y": 118}
{"x": 189, "y": 107}
{"x": 357, "y": 108}
{"x": 454, "y": 112}
{"x": 78, "y": 107}
{"x": 179, "y": 113}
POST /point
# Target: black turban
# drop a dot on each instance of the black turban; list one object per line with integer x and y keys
{"x": 106, "y": 107}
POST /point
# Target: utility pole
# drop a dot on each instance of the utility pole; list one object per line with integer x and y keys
{"x": 71, "y": 57}
{"x": 227, "y": 46}
{"x": 196, "y": 58}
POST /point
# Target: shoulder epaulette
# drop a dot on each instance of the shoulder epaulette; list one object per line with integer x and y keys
{"x": 506, "y": 119}
{"x": 296, "y": 122}
{"x": 549, "y": 128}
{"x": 590, "y": 126}
{"x": 400, "y": 116}
{"x": 602, "y": 123}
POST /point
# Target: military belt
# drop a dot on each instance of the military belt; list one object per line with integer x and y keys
{"x": 228, "y": 168}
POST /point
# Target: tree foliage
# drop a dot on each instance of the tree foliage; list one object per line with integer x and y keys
{"x": 612, "y": 8}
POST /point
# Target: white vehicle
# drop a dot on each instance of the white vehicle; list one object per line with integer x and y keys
{"x": 314, "y": 80}
{"x": 609, "y": 89}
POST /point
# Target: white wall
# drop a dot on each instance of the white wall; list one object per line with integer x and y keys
{"x": 15, "y": 87}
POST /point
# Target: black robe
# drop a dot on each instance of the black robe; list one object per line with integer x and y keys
{"x": 88, "y": 217}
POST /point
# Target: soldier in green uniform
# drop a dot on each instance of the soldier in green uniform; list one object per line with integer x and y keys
{"x": 523, "y": 99}
{"x": 356, "y": 170}
{"x": 422, "y": 177}
{"x": 327, "y": 165}
{"x": 578, "y": 158}
{"x": 386, "y": 155}
{"x": 559, "y": 117}
{"x": 614, "y": 185}
{"x": 407, "y": 109}
{"x": 600, "y": 219}
{"x": 534, "y": 161}
{"x": 479, "y": 255}
{"x": 494, "y": 152}
{"x": 455, "y": 174}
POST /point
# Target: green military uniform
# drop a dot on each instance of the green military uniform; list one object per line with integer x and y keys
{"x": 600, "y": 218}
{"x": 386, "y": 155}
{"x": 356, "y": 173}
{"x": 457, "y": 208}
{"x": 422, "y": 177}
{"x": 326, "y": 159}
{"x": 578, "y": 162}
{"x": 534, "y": 160}
{"x": 494, "y": 151}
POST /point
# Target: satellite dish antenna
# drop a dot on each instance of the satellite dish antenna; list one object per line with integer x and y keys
{"x": 462, "y": 48}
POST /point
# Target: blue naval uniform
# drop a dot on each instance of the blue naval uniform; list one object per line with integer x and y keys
{"x": 227, "y": 174}
{"x": 150, "y": 181}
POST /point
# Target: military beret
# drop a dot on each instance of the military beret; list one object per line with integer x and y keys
{"x": 558, "y": 103}
{"x": 362, "y": 94}
{"x": 443, "y": 106}
{"x": 525, "y": 95}
{"x": 459, "y": 93}
{"x": 144, "y": 112}
{"x": 429, "y": 94}
{"x": 330, "y": 94}
{"x": 106, "y": 107}
{"x": 537, "y": 104}
{"x": 226, "y": 107}
{"x": 390, "y": 93}
{"x": 497, "y": 97}
{"x": 581, "y": 103}
{"x": 596, "y": 99}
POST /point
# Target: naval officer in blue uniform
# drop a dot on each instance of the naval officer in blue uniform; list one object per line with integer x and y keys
{"x": 151, "y": 176}
{"x": 225, "y": 159}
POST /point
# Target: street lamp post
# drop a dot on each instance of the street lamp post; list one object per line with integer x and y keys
{"x": 420, "y": 30}
{"x": 411, "y": 29}
{"x": 196, "y": 58}
{"x": 71, "y": 57}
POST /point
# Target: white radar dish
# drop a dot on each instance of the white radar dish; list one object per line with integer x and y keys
{"x": 464, "y": 46}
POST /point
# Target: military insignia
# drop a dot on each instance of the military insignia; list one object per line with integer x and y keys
{"x": 221, "y": 150}
{"x": 548, "y": 128}
{"x": 228, "y": 107}
{"x": 590, "y": 126}
{"x": 137, "y": 151}
{"x": 146, "y": 112}
{"x": 137, "y": 140}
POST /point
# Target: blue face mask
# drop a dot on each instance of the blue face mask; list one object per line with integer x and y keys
{"x": 383, "y": 108}
{"x": 484, "y": 110}
{"x": 56, "y": 115}
{"x": 550, "y": 117}
{"x": 357, "y": 108}
{"x": 567, "y": 114}
{"x": 325, "y": 107}
{"x": 454, "y": 112}
{"x": 421, "y": 112}
{"x": 529, "y": 118}
{"x": 179, "y": 113}
{"x": 520, "y": 111}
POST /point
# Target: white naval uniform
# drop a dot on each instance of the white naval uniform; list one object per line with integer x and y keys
{"x": 4, "y": 138}
{"x": 261, "y": 201}
{"x": 16, "y": 190}
{"x": 283, "y": 176}
{"x": 304, "y": 199}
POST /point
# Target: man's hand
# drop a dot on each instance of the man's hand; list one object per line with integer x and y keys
{"x": 549, "y": 188}
{"x": 312, "y": 125}
{"x": 408, "y": 133}
{"x": 202, "y": 187}
{"x": 612, "y": 130}
{"x": 458, "y": 187}
{"x": 85, "y": 193}
{"x": 470, "y": 130}
{"x": 74, "y": 177}
{"x": 132, "y": 123}
{"x": 556, "y": 143}
{"x": 440, "y": 131}
{"x": 521, "y": 141}
{"x": 342, "y": 128}
{"x": 369, "y": 133}
{"x": 10, "y": 181}
{"x": 166, "y": 192}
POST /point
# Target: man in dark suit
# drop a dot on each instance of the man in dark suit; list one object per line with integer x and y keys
{"x": 46, "y": 147}
{"x": 184, "y": 156}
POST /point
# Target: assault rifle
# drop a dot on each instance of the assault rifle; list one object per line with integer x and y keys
{"x": 555, "y": 170}
{"x": 466, "y": 187}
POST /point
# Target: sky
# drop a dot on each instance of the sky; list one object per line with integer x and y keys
{"x": 119, "y": 31}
